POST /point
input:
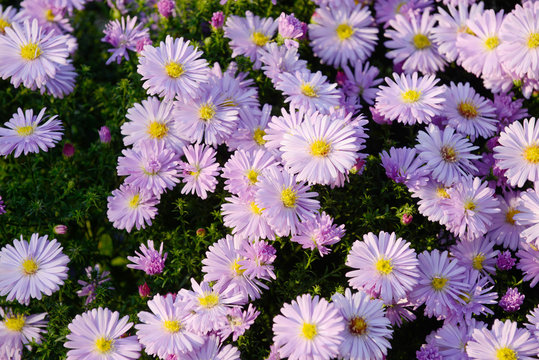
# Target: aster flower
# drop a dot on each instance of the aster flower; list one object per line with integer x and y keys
{"x": 256, "y": 259}
{"x": 410, "y": 99}
{"x": 432, "y": 196}
{"x": 318, "y": 233}
{"x": 151, "y": 166}
{"x": 98, "y": 335}
{"x": 217, "y": 20}
{"x": 363, "y": 82}
{"x": 62, "y": 83}
{"x": 96, "y": 279}
{"x": 505, "y": 261}
{"x": 384, "y": 264}
{"x": 248, "y": 34}
{"x": 508, "y": 110}
{"x": 428, "y": 352}
{"x": 29, "y": 55}
{"x": 212, "y": 350}
{"x": 243, "y": 215}
{"x": 342, "y": 35}
{"x": 238, "y": 321}
{"x": 290, "y": 29}
{"x": 166, "y": 7}
{"x": 518, "y": 152}
{"x": 200, "y": 171}
{"x": 308, "y": 328}
{"x": 447, "y": 154}
{"x": 17, "y": 330}
{"x": 31, "y": 269}
{"x": 505, "y": 230}
{"x": 123, "y": 35}
{"x": 239, "y": 90}
{"x": 151, "y": 261}
{"x": 403, "y": 166}
{"x": 398, "y": 311}
{"x": 130, "y": 206}
{"x": 277, "y": 60}
{"x": 284, "y": 201}
{"x": 512, "y": 300}
{"x": 477, "y": 255}
{"x": 308, "y": 90}
{"x": 280, "y": 125}
{"x": 50, "y": 15}
{"x": 173, "y": 68}
{"x": 7, "y": 16}
{"x": 504, "y": 341}
{"x": 411, "y": 43}
{"x": 452, "y": 339}
{"x": 249, "y": 135}
{"x": 163, "y": 331}
{"x": 529, "y": 263}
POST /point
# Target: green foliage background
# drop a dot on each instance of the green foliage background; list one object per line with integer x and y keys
{"x": 46, "y": 189}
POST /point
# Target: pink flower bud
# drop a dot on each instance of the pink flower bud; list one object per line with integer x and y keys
{"x": 68, "y": 150}
{"x": 144, "y": 290}
{"x": 60, "y": 229}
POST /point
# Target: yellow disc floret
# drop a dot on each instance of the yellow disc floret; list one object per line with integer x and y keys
{"x": 357, "y": 326}
{"x": 533, "y": 40}
{"x": 24, "y": 130}
{"x": 29, "y": 266}
{"x": 442, "y": 192}
{"x": 49, "y": 15}
{"x": 506, "y": 354}
{"x": 260, "y": 39}
{"x": 467, "y": 110}
{"x": 103, "y": 345}
{"x": 344, "y": 31}
{"x": 308, "y": 331}
{"x": 477, "y": 261}
{"x": 511, "y": 212}
{"x": 438, "y": 283}
{"x": 469, "y": 205}
{"x": 308, "y": 90}
{"x": 258, "y": 136}
{"x": 174, "y": 70}
{"x": 411, "y": 96}
{"x": 157, "y": 130}
{"x": 252, "y": 176}
{"x": 320, "y": 148}
{"x": 236, "y": 267}
{"x": 206, "y": 112}
{"x": 172, "y": 326}
{"x": 289, "y": 197}
{"x": 30, "y": 51}
{"x": 255, "y": 209}
{"x": 384, "y": 266}
{"x": 133, "y": 203}
{"x": 15, "y": 323}
{"x": 531, "y": 154}
{"x": 209, "y": 300}
{"x": 421, "y": 41}
{"x": 448, "y": 154}
{"x": 492, "y": 42}
{"x": 3, "y": 25}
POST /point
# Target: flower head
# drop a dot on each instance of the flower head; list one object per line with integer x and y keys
{"x": 151, "y": 260}
{"x": 17, "y": 330}
{"x": 200, "y": 171}
{"x": 96, "y": 279}
{"x": 123, "y": 35}
{"x": 129, "y": 206}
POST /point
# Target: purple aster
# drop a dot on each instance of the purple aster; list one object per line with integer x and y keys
{"x": 362, "y": 82}
{"x": 398, "y": 311}
{"x": 508, "y": 110}
{"x": 242, "y": 214}
{"x": 212, "y": 349}
{"x": 238, "y": 321}
{"x": 308, "y": 328}
{"x": 17, "y": 330}
{"x": 98, "y": 334}
{"x": 150, "y": 166}
{"x": 257, "y": 259}
{"x": 104, "y": 134}
{"x": 512, "y": 300}
{"x": 432, "y": 197}
{"x": 7, "y": 15}
{"x": 166, "y": 7}
{"x": 384, "y": 264}
{"x": 290, "y": 29}
{"x": 452, "y": 339}
{"x": 123, "y": 35}
{"x": 30, "y": 55}
{"x": 403, "y": 166}
{"x": 50, "y": 15}
{"x": 62, "y": 83}
{"x": 217, "y": 20}
{"x": 130, "y": 206}
{"x": 249, "y": 135}
{"x": 277, "y": 60}
{"x": 477, "y": 255}
{"x": 447, "y": 154}
{"x": 200, "y": 171}
{"x": 24, "y": 133}
{"x": 529, "y": 263}
{"x": 284, "y": 201}
{"x": 411, "y": 43}
{"x": 318, "y": 233}
{"x": 31, "y": 269}
{"x": 308, "y": 90}
{"x": 151, "y": 261}
{"x": 505, "y": 261}
{"x": 410, "y": 99}
{"x": 96, "y": 279}
{"x": 505, "y": 230}
{"x": 239, "y": 91}
{"x": 428, "y": 352}
{"x": 172, "y": 69}
{"x": 341, "y": 36}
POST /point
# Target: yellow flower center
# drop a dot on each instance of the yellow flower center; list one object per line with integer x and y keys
{"x": 24, "y": 130}
{"x": 531, "y": 154}
{"x": 206, "y": 112}
{"x": 15, "y": 323}
{"x": 209, "y": 300}
{"x": 103, "y": 345}
{"x": 357, "y": 326}
{"x": 29, "y": 266}
{"x": 492, "y": 42}
{"x": 258, "y": 136}
{"x": 466, "y": 29}
{"x": 438, "y": 283}
{"x": 308, "y": 90}
{"x": 133, "y": 203}
{"x": 384, "y": 266}
{"x": 421, "y": 41}
{"x": 442, "y": 192}
{"x": 172, "y": 326}
{"x": 467, "y": 109}
{"x": 506, "y": 354}
{"x": 157, "y": 130}
{"x": 289, "y": 197}
{"x": 509, "y": 215}
{"x": 448, "y": 154}
{"x": 3, "y": 24}
{"x": 252, "y": 176}
{"x": 411, "y": 96}
{"x": 30, "y": 51}
{"x": 174, "y": 70}
{"x": 469, "y": 205}
{"x": 344, "y": 31}
{"x": 260, "y": 39}
{"x": 308, "y": 331}
{"x": 49, "y": 15}
{"x": 466, "y": 297}
{"x": 320, "y": 148}
{"x": 237, "y": 267}
{"x": 255, "y": 209}
{"x": 399, "y": 6}
{"x": 477, "y": 261}
{"x": 533, "y": 40}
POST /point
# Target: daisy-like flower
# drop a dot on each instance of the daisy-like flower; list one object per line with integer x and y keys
{"x": 432, "y": 196}
{"x": 277, "y": 60}
{"x": 31, "y": 269}
{"x": 341, "y": 35}
{"x": 284, "y": 201}
{"x": 239, "y": 90}
{"x": 477, "y": 255}
{"x": 411, "y": 43}
{"x": 387, "y": 10}
{"x": 512, "y": 300}
{"x": 447, "y": 154}
{"x": 164, "y": 331}
{"x": 17, "y": 330}
{"x": 526, "y": 216}
{"x": 403, "y": 166}
{"x": 410, "y": 99}
{"x": 200, "y": 171}
{"x": 290, "y": 29}
{"x": 207, "y": 117}
{"x": 243, "y": 215}
{"x": 96, "y": 278}
{"x": 123, "y": 35}
{"x": 363, "y": 82}
{"x": 280, "y": 125}
{"x": 24, "y": 133}
{"x": 29, "y": 55}
{"x": 504, "y": 230}
{"x": 50, "y": 14}
{"x": 367, "y": 331}
{"x": 7, "y": 15}
{"x": 248, "y": 34}
{"x": 452, "y": 339}
{"x": 238, "y": 321}
{"x": 250, "y": 132}
{"x": 320, "y": 149}
{"x": 383, "y": 263}
{"x": 529, "y": 263}
{"x": 308, "y": 328}
{"x": 212, "y": 350}
{"x": 257, "y": 259}
{"x": 318, "y": 233}
{"x": 308, "y": 90}
{"x": 468, "y": 112}
{"x": 441, "y": 283}
{"x": 129, "y": 206}
{"x": 518, "y": 152}
{"x": 519, "y": 37}
{"x": 98, "y": 335}
{"x": 63, "y": 82}
{"x": 505, "y": 341}
{"x": 173, "y": 68}
{"x": 149, "y": 260}
{"x": 151, "y": 166}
